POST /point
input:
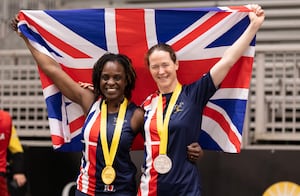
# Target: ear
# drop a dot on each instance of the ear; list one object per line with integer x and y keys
{"x": 176, "y": 65}
{"x": 126, "y": 81}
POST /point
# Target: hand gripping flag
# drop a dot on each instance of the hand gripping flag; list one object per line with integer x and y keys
{"x": 77, "y": 38}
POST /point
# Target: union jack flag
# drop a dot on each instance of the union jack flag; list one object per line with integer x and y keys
{"x": 77, "y": 38}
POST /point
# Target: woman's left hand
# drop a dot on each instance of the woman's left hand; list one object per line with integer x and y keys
{"x": 86, "y": 85}
{"x": 257, "y": 15}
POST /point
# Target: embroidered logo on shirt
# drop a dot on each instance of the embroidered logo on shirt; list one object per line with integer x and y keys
{"x": 109, "y": 188}
{"x": 115, "y": 121}
{"x": 178, "y": 107}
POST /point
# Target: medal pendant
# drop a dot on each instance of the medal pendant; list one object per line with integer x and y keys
{"x": 162, "y": 164}
{"x": 108, "y": 175}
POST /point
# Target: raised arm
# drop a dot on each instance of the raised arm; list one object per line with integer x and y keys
{"x": 69, "y": 88}
{"x": 234, "y": 52}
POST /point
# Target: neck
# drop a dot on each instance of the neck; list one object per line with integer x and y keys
{"x": 168, "y": 89}
{"x": 114, "y": 105}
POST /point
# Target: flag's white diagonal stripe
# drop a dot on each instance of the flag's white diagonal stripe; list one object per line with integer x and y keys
{"x": 150, "y": 27}
{"x": 110, "y": 30}
{"x": 231, "y": 93}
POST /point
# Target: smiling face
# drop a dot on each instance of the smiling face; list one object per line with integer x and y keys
{"x": 113, "y": 81}
{"x": 163, "y": 70}
{"x": 113, "y": 77}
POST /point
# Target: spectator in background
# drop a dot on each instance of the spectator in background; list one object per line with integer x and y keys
{"x": 9, "y": 141}
{"x": 16, "y": 166}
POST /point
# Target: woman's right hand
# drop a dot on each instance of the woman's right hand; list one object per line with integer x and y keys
{"x": 14, "y": 26}
{"x": 194, "y": 152}
{"x": 14, "y": 23}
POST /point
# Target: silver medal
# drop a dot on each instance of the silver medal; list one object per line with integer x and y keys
{"x": 162, "y": 164}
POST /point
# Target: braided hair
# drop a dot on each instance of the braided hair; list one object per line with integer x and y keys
{"x": 122, "y": 60}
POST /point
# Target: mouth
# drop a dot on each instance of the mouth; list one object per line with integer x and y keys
{"x": 111, "y": 90}
{"x": 162, "y": 78}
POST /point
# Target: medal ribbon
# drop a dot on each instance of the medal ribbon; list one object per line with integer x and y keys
{"x": 109, "y": 155}
{"x": 162, "y": 125}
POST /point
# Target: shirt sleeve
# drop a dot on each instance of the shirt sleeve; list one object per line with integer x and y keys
{"x": 14, "y": 142}
{"x": 202, "y": 90}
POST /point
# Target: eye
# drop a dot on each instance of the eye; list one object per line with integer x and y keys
{"x": 104, "y": 77}
{"x": 117, "y": 77}
{"x": 154, "y": 66}
{"x": 164, "y": 65}
{"x": 157, "y": 66}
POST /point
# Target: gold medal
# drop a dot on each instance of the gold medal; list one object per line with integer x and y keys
{"x": 162, "y": 164}
{"x": 108, "y": 175}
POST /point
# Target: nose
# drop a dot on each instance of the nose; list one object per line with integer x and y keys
{"x": 110, "y": 81}
{"x": 161, "y": 70}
